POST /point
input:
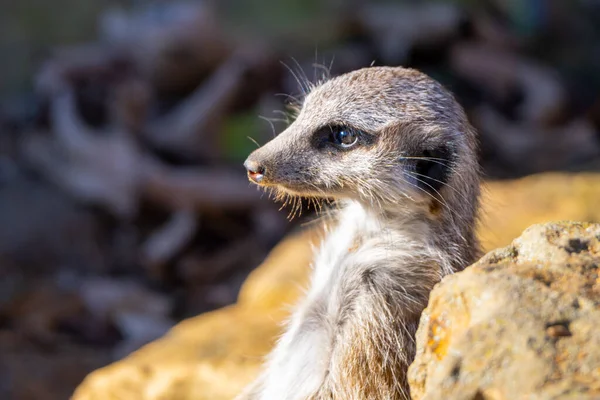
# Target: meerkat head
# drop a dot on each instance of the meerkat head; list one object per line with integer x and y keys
{"x": 378, "y": 135}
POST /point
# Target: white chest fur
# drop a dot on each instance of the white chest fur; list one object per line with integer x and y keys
{"x": 360, "y": 242}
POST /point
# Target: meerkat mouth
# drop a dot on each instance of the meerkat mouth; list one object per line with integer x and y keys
{"x": 255, "y": 177}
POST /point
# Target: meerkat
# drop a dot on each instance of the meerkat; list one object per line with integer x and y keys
{"x": 395, "y": 150}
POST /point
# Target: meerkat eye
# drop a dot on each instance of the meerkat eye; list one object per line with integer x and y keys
{"x": 344, "y": 136}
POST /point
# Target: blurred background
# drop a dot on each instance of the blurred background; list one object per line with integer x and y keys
{"x": 124, "y": 207}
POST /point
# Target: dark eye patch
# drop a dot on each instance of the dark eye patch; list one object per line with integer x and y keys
{"x": 433, "y": 168}
{"x": 341, "y": 137}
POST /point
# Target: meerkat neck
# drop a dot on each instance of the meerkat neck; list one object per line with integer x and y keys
{"x": 374, "y": 220}
{"x": 395, "y": 228}
{"x": 360, "y": 226}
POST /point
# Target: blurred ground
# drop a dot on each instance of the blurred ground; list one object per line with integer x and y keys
{"x": 123, "y": 124}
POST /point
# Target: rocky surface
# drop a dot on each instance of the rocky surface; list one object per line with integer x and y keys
{"x": 520, "y": 323}
{"x": 214, "y": 355}
{"x": 510, "y": 206}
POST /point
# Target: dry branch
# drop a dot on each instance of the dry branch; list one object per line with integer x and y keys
{"x": 500, "y": 72}
{"x": 189, "y": 130}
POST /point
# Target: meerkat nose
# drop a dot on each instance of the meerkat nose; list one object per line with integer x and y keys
{"x": 255, "y": 171}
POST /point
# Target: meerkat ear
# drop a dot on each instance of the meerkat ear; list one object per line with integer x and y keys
{"x": 433, "y": 168}
{"x": 428, "y": 154}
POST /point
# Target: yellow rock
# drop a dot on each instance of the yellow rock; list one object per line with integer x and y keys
{"x": 521, "y": 323}
{"x": 508, "y": 207}
{"x": 214, "y": 355}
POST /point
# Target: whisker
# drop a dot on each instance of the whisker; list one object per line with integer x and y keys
{"x": 286, "y": 116}
{"x": 314, "y": 64}
{"x": 331, "y": 65}
{"x": 443, "y": 183}
{"x": 253, "y": 141}
{"x": 441, "y": 199}
{"x": 298, "y": 80}
{"x": 308, "y": 84}
{"x": 288, "y": 96}
{"x": 325, "y": 72}
{"x": 270, "y": 121}
{"x": 432, "y": 159}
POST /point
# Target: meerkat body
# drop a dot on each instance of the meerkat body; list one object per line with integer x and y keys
{"x": 397, "y": 152}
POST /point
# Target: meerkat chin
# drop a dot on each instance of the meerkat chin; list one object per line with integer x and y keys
{"x": 397, "y": 152}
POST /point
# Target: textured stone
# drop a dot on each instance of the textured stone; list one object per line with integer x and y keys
{"x": 520, "y": 323}
{"x": 214, "y": 355}
{"x": 508, "y": 207}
